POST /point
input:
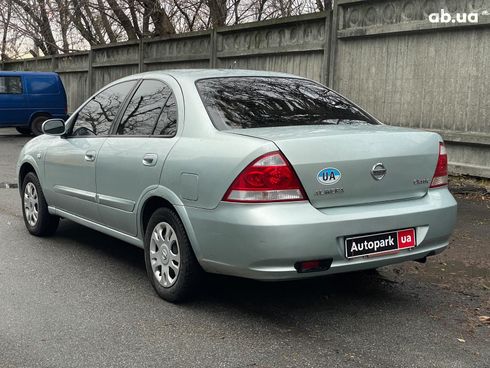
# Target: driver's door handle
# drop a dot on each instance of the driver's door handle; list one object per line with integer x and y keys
{"x": 90, "y": 156}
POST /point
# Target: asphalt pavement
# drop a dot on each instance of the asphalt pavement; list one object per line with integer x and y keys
{"x": 81, "y": 299}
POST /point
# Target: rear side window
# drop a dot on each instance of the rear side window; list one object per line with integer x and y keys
{"x": 46, "y": 85}
{"x": 144, "y": 109}
{"x": 259, "y": 102}
{"x": 97, "y": 116}
{"x": 10, "y": 85}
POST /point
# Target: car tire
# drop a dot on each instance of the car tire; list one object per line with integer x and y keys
{"x": 37, "y": 125}
{"x": 171, "y": 265}
{"x": 38, "y": 220}
{"x": 24, "y": 131}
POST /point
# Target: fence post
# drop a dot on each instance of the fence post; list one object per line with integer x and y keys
{"x": 333, "y": 45}
{"x": 141, "y": 55}
{"x": 327, "y": 46}
{"x": 213, "y": 51}
{"x": 54, "y": 63}
{"x": 90, "y": 72}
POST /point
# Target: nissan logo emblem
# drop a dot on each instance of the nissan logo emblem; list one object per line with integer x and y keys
{"x": 378, "y": 171}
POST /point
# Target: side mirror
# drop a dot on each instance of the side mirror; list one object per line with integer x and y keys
{"x": 54, "y": 127}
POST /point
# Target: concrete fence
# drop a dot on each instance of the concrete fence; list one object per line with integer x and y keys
{"x": 383, "y": 54}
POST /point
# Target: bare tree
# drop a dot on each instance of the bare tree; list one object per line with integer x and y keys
{"x": 123, "y": 19}
{"x": 6, "y": 24}
{"x": 161, "y": 21}
{"x": 37, "y": 16}
{"x": 49, "y": 27}
{"x": 324, "y": 4}
{"x": 63, "y": 9}
{"x": 218, "y": 12}
{"x": 191, "y": 13}
{"x": 105, "y": 22}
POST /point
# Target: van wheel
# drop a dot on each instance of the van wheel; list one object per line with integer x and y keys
{"x": 37, "y": 218}
{"x": 37, "y": 125}
{"x": 24, "y": 131}
{"x": 171, "y": 265}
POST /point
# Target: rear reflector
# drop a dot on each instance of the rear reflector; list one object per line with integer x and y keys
{"x": 440, "y": 178}
{"x": 313, "y": 266}
{"x": 270, "y": 178}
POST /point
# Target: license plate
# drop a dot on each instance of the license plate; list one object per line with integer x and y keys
{"x": 380, "y": 243}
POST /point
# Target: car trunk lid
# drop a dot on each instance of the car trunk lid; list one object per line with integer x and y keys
{"x": 338, "y": 165}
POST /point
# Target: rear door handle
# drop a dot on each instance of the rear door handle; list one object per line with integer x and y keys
{"x": 150, "y": 159}
{"x": 90, "y": 156}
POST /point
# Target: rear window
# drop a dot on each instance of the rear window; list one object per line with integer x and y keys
{"x": 46, "y": 85}
{"x": 259, "y": 102}
{"x": 10, "y": 85}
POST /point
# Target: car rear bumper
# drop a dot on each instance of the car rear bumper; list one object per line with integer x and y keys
{"x": 264, "y": 241}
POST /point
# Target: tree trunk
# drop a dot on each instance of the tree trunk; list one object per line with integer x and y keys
{"x": 161, "y": 21}
{"x": 146, "y": 21}
{"x": 105, "y": 22}
{"x": 82, "y": 25}
{"x": 46, "y": 30}
{"x": 41, "y": 19}
{"x": 92, "y": 22}
{"x": 6, "y": 25}
{"x": 217, "y": 12}
{"x": 63, "y": 10}
{"x": 134, "y": 17}
{"x": 123, "y": 19}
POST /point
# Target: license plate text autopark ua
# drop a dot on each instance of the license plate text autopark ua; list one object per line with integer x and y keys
{"x": 376, "y": 244}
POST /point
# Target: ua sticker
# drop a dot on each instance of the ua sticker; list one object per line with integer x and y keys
{"x": 329, "y": 176}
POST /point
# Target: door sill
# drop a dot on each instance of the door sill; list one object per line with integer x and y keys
{"x": 98, "y": 227}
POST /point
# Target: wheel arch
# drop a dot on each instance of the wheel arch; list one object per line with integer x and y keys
{"x": 37, "y": 114}
{"x": 26, "y": 167}
{"x": 149, "y": 207}
{"x": 163, "y": 197}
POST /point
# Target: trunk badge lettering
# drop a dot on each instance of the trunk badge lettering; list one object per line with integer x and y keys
{"x": 329, "y": 176}
{"x": 378, "y": 171}
{"x": 329, "y": 191}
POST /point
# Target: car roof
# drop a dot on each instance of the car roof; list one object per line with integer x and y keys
{"x": 20, "y": 72}
{"x": 196, "y": 74}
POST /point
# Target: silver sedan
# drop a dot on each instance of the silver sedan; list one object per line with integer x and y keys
{"x": 262, "y": 175}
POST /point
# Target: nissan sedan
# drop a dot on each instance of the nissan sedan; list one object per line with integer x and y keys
{"x": 262, "y": 175}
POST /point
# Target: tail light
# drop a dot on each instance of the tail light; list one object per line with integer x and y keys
{"x": 440, "y": 178}
{"x": 270, "y": 178}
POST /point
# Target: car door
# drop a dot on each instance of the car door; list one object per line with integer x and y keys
{"x": 71, "y": 160}
{"x": 131, "y": 160}
{"x": 12, "y": 100}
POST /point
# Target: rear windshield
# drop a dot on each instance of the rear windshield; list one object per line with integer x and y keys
{"x": 259, "y": 102}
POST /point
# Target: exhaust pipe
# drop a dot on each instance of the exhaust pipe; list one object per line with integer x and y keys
{"x": 424, "y": 259}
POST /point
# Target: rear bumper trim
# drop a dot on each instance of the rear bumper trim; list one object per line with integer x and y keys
{"x": 264, "y": 241}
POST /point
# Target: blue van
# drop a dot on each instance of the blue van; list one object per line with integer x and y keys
{"x": 27, "y": 99}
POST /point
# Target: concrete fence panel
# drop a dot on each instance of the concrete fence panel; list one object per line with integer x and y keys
{"x": 409, "y": 72}
{"x": 73, "y": 69}
{"x": 191, "y": 50}
{"x": 109, "y": 63}
{"x": 293, "y": 45}
{"x": 383, "y": 54}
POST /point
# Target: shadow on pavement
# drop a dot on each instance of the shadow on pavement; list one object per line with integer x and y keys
{"x": 218, "y": 288}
